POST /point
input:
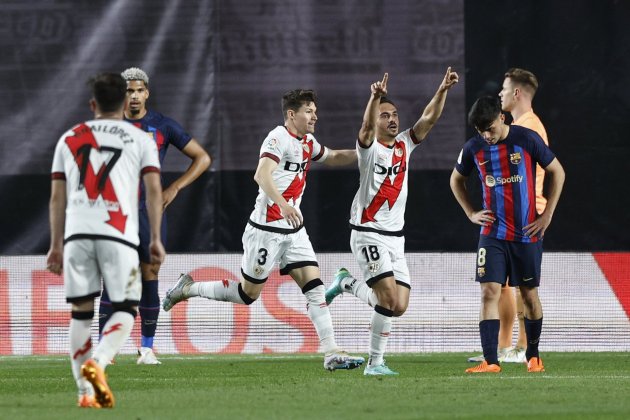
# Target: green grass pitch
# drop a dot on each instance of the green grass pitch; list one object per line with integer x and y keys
{"x": 575, "y": 386}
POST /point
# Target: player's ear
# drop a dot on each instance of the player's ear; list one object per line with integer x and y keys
{"x": 92, "y": 103}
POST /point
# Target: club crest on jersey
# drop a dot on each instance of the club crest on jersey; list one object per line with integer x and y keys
{"x": 373, "y": 267}
{"x": 258, "y": 270}
{"x": 481, "y": 271}
{"x": 398, "y": 151}
{"x": 305, "y": 147}
{"x": 515, "y": 158}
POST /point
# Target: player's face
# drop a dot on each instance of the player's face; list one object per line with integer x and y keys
{"x": 137, "y": 95}
{"x": 304, "y": 119}
{"x": 387, "y": 123}
{"x": 496, "y": 132}
{"x": 508, "y": 95}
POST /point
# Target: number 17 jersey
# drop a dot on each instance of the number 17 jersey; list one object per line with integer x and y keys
{"x": 102, "y": 162}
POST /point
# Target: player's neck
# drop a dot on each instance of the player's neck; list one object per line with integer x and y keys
{"x": 521, "y": 109}
{"x": 294, "y": 131}
{"x": 139, "y": 115}
{"x": 117, "y": 115}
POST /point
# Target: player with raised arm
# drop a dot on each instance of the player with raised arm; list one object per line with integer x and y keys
{"x": 377, "y": 216}
{"x": 511, "y": 237}
{"x": 94, "y": 229}
{"x": 275, "y": 232}
{"x": 164, "y": 131}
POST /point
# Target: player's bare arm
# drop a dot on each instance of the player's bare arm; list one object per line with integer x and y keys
{"x": 57, "y": 214}
{"x": 433, "y": 110}
{"x": 341, "y": 157}
{"x": 458, "y": 186}
{"x": 264, "y": 179}
{"x": 368, "y": 127}
{"x": 153, "y": 189}
{"x": 556, "y": 176}
{"x": 201, "y": 161}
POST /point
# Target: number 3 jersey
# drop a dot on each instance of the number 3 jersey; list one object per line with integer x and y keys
{"x": 294, "y": 156}
{"x": 379, "y": 204}
{"x": 102, "y": 162}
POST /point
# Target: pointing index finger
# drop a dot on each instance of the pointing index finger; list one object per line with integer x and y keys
{"x": 384, "y": 82}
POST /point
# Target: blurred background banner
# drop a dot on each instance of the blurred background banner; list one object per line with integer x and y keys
{"x": 219, "y": 67}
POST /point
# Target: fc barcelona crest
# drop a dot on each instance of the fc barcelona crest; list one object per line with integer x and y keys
{"x": 481, "y": 271}
{"x": 515, "y": 158}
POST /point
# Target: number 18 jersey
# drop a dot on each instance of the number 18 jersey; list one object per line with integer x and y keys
{"x": 379, "y": 204}
{"x": 102, "y": 162}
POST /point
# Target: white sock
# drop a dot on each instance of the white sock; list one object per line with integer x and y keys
{"x": 320, "y": 317}
{"x": 115, "y": 333}
{"x": 80, "y": 351}
{"x": 224, "y": 291}
{"x": 360, "y": 289}
{"x": 379, "y": 334}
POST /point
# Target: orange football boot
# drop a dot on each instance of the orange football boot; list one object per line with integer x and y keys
{"x": 484, "y": 367}
{"x": 96, "y": 376}
{"x": 535, "y": 365}
{"x": 87, "y": 401}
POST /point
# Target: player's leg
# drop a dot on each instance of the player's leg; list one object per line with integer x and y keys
{"x": 260, "y": 253}
{"x": 81, "y": 286}
{"x": 299, "y": 261}
{"x": 149, "y": 307}
{"x": 507, "y": 314}
{"x": 527, "y": 259}
{"x": 491, "y": 274}
{"x": 521, "y": 342}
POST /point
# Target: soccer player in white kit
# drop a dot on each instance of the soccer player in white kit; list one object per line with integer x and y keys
{"x": 377, "y": 216}
{"x": 275, "y": 230}
{"x": 96, "y": 172}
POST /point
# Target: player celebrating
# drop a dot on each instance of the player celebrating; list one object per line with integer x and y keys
{"x": 94, "y": 212}
{"x": 275, "y": 231}
{"x": 510, "y": 243}
{"x": 377, "y": 215}
{"x": 164, "y": 131}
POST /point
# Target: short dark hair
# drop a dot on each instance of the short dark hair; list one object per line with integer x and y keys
{"x": 524, "y": 78}
{"x": 294, "y": 99}
{"x": 484, "y": 112}
{"x": 386, "y": 100}
{"x": 109, "y": 91}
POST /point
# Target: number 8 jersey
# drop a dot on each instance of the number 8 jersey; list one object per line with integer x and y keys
{"x": 102, "y": 162}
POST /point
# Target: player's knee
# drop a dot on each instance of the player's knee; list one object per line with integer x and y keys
{"x": 126, "y": 306}
{"x": 400, "y": 309}
{"x": 248, "y": 295}
{"x": 314, "y": 291}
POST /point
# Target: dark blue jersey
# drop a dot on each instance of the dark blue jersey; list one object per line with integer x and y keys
{"x": 507, "y": 171}
{"x": 164, "y": 131}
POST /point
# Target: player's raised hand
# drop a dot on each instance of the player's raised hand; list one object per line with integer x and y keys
{"x": 450, "y": 79}
{"x": 379, "y": 89}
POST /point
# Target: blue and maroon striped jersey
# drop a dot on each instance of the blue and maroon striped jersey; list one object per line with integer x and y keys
{"x": 164, "y": 131}
{"x": 507, "y": 171}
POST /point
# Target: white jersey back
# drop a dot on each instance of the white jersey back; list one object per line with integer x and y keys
{"x": 382, "y": 196}
{"x": 293, "y": 156}
{"x": 102, "y": 162}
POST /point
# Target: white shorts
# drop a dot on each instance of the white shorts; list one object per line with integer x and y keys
{"x": 262, "y": 249}
{"x": 380, "y": 256}
{"x": 86, "y": 261}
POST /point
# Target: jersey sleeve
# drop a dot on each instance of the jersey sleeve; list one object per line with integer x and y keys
{"x": 465, "y": 161}
{"x": 272, "y": 148}
{"x": 540, "y": 151}
{"x": 178, "y": 136}
{"x": 409, "y": 137}
{"x": 149, "y": 159}
{"x": 320, "y": 152}
{"x": 58, "y": 170}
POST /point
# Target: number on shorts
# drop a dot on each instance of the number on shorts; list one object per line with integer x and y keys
{"x": 481, "y": 257}
{"x": 263, "y": 256}
{"x": 371, "y": 253}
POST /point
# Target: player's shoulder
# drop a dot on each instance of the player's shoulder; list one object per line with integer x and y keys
{"x": 474, "y": 144}
{"x": 523, "y": 135}
{"x": 158, "y": 119}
